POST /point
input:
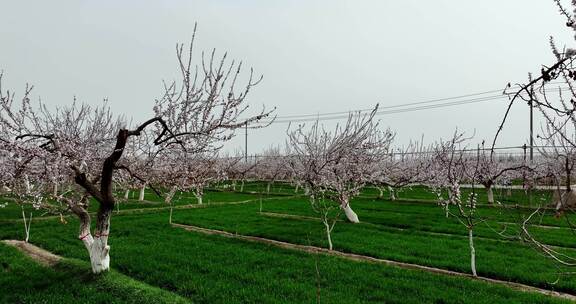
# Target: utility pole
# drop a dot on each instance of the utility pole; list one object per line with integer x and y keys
{"x": 246, "y": 142}
{"x": 531, "y": 104}
{"x": 531, "y": 132}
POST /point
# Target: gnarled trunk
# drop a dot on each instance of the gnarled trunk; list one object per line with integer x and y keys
{"x": 350, "y": 214}
{"x": 97, "y": 245}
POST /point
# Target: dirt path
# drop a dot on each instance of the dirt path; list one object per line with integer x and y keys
{"x": 362, "y": 258}
{"x": 36, "y": 253}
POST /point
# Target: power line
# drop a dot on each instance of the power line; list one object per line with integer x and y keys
{"x": 397, "y": 108}
{"x": 299, "y": 116}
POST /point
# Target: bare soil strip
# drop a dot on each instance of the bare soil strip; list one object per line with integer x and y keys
{"x": 362, "y": 258}
{"x": 38, "y": 254}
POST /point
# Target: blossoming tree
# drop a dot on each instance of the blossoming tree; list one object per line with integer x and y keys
{"x": 87, "y": 144}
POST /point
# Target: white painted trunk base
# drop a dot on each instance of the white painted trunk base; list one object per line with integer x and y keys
{"x": 350, "y": 214}
{"x": 392, "y": 194}
{"x": 26, "y": 225}
{"x": 472, "y": 252}
{"x": 328, "y": 234}
{"x": 99, "y": 256}
{"x": 490, "y": 195}
{"x": 142, "y": 190}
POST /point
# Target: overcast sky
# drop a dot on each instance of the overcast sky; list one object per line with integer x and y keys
{"x": 316, "y": 56}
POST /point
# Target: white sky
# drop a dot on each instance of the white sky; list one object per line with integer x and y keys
{"x": 316, "y": 56}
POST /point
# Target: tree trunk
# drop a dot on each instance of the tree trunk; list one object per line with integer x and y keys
{"x": 509, "y": 191}
{"x": 199, "y": 193}
{"x": 168, "y": 200}
{"x": 142, "y": 191}
{"x": 127, "y": 194}
{"x": 268, "y": 188}
{"x": 490, "y": 193}
{"x": 26, "y": 224}
{"x": 328, "y": 234}
{"x": 97, "y": 245}
{"x": 242, "y": 186}
{"x": 472, "y": 252}
{"x": 260, "y": 204}
{"x": 381, "y": 193}
{"x": 55, "y": 189}
{"x": 350, "y": 214}
{"x": 234, "y": 185}
{"x": 297, "y": 187}
{"x": 392, "y": 193}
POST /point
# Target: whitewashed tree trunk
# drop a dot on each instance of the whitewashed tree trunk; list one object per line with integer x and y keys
{"x": 27, "y": 184}
{"x": 127, "y": 194}
{"x": 242, "y": 186}
{"x": 55, "y": 189}
{"x": 168, "y": 200}
{"x": 328, "y": 233}
{"x": 268, "y": 188}
{"x": 234, "y": 185}
{"x": 142, "y": 191}
{"x": 350, "y": 214}
{"x": 97, "y": 245}
{"x": 199, "y": 193}
{"x": 490, "y": 193}
{"x": 392, "y": 194}
{"x": 297, "y": 188}
{"x": 99, "y": 253}
{"x": 381, "y": 192}
{"x": 472, "y": 252}
{"x": 26, "y": 224}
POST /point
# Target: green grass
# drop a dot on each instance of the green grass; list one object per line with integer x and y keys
{"x": 213, "y": 269}
{"x": 24, "y": 281}
{"x": 414, "y": 233}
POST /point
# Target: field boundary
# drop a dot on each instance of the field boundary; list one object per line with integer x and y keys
{"x": 363, "y": 258}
